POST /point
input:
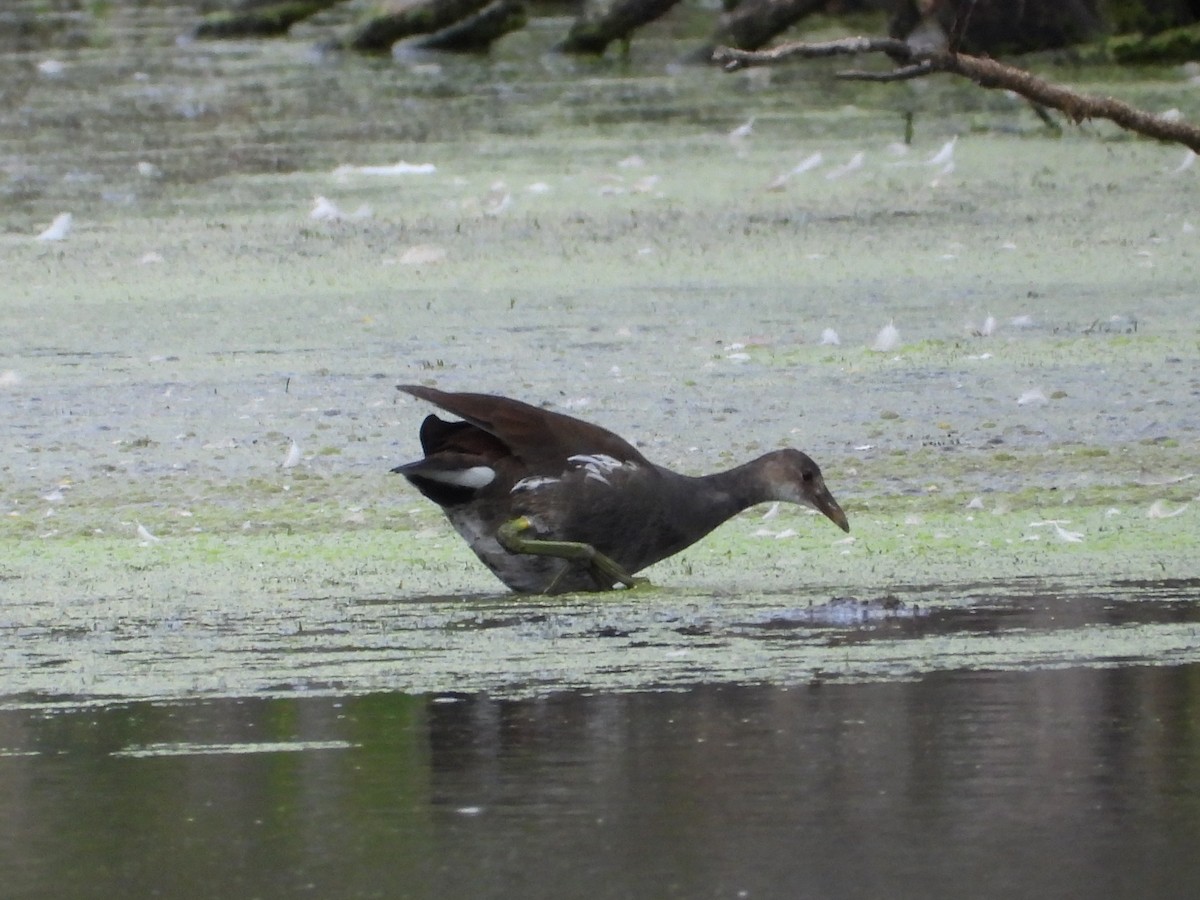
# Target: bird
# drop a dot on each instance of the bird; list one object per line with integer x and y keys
{"x": 552, "y": 504}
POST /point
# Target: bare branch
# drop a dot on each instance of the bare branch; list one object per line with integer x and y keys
{"x": 733, "y": 59}
{"x": 987, "y": 73}
{"x": 904, "y": 73}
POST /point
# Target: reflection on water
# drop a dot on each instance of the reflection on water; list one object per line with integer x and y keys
{"x": 1081, "y": 783}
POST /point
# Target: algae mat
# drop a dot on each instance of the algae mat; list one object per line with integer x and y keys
{"x": 199, "y": 410}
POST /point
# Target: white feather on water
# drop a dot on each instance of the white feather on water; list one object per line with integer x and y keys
{"x": 944, "y": 155}
{"x": 645, "y": 185}
{"x": 854, "y": 163}
{"x": 145, "y": 536}
{"x": 986, "y": 329}
{"x": 743, "y": 131}
{"x": 776, "y": 535}
{"x": 422, "y": 255}
{"x": 293, "y": 456}
{"x": 887, "y": 340}
{"x": 1070, "y": 537}
{"x": 325, "y": 210}
{"x": 58, "y": 229}
{"x": 497, "y": 201}
{"x": 1160, "y": 482}
{"x": 1159, "y": 510}
{"x": 401, "y": 168}
{"x": 805, "y": 165}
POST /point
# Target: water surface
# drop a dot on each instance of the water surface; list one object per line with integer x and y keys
{"x": 1080, "y": 783}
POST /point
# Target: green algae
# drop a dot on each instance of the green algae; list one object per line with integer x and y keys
{"x": 369, "y": 609}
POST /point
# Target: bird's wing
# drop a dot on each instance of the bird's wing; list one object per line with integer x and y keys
{"x": 544, "y": 440}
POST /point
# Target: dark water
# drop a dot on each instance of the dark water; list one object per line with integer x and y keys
{"x": 1082, "y": 783}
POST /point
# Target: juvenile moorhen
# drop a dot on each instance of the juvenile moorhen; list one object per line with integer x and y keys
{"x": 553, "y": 504}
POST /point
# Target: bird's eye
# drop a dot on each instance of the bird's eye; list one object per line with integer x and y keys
{"x": 807, "y": 475}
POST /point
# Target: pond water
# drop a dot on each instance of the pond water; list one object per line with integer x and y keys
{"x": 237, "y": 658}
{"x": 1083, "y": 782}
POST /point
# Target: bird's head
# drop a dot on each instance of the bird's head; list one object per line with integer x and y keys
{"x": 793, "y": 477}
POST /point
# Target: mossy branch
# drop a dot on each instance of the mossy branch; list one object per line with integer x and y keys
{"x": 987, "y": 73}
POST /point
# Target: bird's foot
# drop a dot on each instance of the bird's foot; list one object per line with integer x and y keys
{"x": 607, "y": 571}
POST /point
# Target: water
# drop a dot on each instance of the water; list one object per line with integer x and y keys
{"x": 1027, "y": 745}
{"x": 223, "y": 676}
{"x": 1033, "y": 784}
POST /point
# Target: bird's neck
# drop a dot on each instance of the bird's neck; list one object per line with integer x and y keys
{"x": 708, "y": 501}
{"x": 681, "y": 509}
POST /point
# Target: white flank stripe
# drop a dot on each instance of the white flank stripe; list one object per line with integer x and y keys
{"x": 599, "y": 462}
{"x": 474, "y": 477}
{"x": 598, "y": 465}
{"x": 532, "y": 483}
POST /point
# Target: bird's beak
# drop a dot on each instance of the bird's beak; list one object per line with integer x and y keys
{"x": 823, "y": 501}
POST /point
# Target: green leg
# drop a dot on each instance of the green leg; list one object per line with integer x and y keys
{"x": 511, "y": 538}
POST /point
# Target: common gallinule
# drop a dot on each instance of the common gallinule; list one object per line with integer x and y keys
{"x": 553, "y": 504}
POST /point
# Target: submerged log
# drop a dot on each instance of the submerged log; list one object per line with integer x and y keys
{"x": 259, "y": 18}
{"x": 475, "y": 34}
{"x": 754, "y": 22}
{"x": 605, "y": 21}
{"x": 397, "y": 19}
{"x": 996, "y": 27}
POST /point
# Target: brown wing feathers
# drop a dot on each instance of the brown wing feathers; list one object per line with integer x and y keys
{"x": 460, "y": 437}
{"x": 537, "y": 436}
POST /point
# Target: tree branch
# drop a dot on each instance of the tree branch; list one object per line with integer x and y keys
{"x": 987, "y": 73}
{"x": 904, "y": 73}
